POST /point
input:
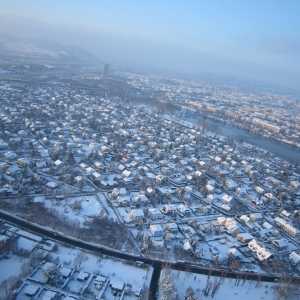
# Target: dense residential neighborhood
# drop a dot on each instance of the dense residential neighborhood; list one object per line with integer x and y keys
{"x": 120, "y": 162}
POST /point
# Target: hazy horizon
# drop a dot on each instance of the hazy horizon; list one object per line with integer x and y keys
{"x": 252, "y": 40}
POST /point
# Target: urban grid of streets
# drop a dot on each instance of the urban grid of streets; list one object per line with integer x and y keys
{"x": 113, "y": 162}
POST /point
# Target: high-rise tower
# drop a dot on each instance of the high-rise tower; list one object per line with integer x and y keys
{"x": 105, "y": 70}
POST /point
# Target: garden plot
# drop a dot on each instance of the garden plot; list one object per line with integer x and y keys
{"x": 26, "y": 244}
{"x": 48, "y": 294}
{"x": 12, "y": 267}
{"x": 38, "y": 276}
{"x": 78, "y": 281}
{"x": 97, "y": 285}
{"x": 224, "y": 248}
{"x": 78, "y": 208}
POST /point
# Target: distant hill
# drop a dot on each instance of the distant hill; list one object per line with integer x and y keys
{"x": 21, "y": 50}
{"x": 247, "y": 84}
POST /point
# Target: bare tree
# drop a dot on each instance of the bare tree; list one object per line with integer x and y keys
{"x": 8, "y": 285}
{"x": 190, "y": 294}
{"x": 52, "y": 275}
{"x": 285, "y": 289}
{"x": 80, "y": 258}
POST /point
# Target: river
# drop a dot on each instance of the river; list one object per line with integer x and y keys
{"x": 280, "y": 149}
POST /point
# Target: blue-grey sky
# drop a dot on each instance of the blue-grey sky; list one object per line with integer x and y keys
{"x": 258, "y": 39}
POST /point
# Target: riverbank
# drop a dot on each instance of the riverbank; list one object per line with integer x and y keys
{"x": 282, "y": 150}
{"x": 279, "y": 148}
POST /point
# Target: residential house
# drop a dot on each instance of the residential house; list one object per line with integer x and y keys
{"x": 172, "y": 227}
{"x": 169, "y": 208}
{"x": 280, "y": 245}
{"x": 31, "y": 290}
{"x": 256, "y": 217}
{"x": 6, "y": 190}
{"x": 241, "y": 191}
{"x": 269, "y": 196}
{"x": 155, "y": 214}
{"x": 140, "y": 200}
{"x": 285, "y": 226}
{"x": 23, "y": 162}
{"x": 259, "y": 250}
{"x": 123, "y": 201}
{"x": 143, "y": 200}
{"x": 115, "y": 193}
{"x": 226, "y": 199}
{"x": 122, "y": 192}
{"x": 259, "y": 190}
{"x": 13, "y": 170}
{"x": 157, "y": 245}
{"x": 221, "y": 220}
{"x": 244, "y": 218}
{"x": 295, "y": 184}
{"x": 156, "y": 230}
{"x": 89, "y": 170}
{"x": 10, "y": 155}
{"x": 209, "y": 199}
{"x": 97, "y": 176}
{"x": 238, "y": 174}
{"x": 202, "y": 165}
{"x": 244, "y": 237}
{"x": 294, "y": 258}
{"x": 285, "y": 214}
{"x": 184, "y": 210}
{"x": 79, "y": 180}
{"x": 50, "y": 295}
{"x": 199, "y": 175}
{"x": 58, "y": 164}
{"x": 187, "y": 246}
{"x": 3, "y": 145}
{"x": 225, "y": 207}
{"x": 231, "y": 226}
{"x": 3, "y": 166}
{"x": 267, "y": 225}
{"x": 126, "y": 173}
{"x": 217, "y": 159}
{"x": 230, "y": 184}
{"x": 136, "y": 215}
{"x": 98, "y": 165}
{"x": 104, "y": 149}
{"x": 82, "y": 276}
{"x": 209, "y": 189}
{"x": 187, "y": 230}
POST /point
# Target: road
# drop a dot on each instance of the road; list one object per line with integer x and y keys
{"x": 155, "y": 263}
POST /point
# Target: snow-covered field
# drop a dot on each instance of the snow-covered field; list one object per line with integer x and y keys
{"x": 227, "y": 290}
{"x": 10, "y": 267}
{"x": 26, "y": 244}
{"x": 90, "y": 207}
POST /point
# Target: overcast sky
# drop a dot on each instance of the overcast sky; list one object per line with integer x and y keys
{"x": 256, "y": 39}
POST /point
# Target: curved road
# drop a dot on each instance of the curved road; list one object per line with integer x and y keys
{"x": 156, "y": 264}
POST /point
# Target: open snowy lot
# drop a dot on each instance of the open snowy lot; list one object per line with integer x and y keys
{"x": 76, "y": 208}
{"x": 228, "y": 289}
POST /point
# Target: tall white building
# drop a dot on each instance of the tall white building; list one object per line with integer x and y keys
{"x": 105, "y": 70}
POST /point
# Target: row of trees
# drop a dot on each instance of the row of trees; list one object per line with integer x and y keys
{"x": 101, "y": 229}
